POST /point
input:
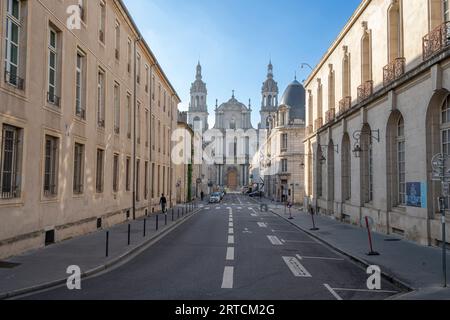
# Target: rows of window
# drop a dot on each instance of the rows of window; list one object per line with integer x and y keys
{"x": 392, "y": 71}
{"x": 11, "y": 163}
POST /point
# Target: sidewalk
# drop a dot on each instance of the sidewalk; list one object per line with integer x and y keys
{"x": 412, "y": 265}
{"x": 46, "y": 267}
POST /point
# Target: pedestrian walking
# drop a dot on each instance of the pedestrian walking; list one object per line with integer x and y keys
{"x": 163, "y": 203}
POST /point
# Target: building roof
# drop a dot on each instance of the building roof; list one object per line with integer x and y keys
{"x": 294, "y": 99}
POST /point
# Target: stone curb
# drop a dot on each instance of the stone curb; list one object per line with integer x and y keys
{"x": 392, "y": 279}
{"x": 128, "y": 255}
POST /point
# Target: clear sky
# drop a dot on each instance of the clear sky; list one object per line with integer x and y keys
{"x": 234, "y": 40}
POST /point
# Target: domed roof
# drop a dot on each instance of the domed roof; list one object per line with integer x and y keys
{"x": 294, "y": 98}
{"x": 232, "y": 105}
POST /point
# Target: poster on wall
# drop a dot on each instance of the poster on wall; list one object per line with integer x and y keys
{"x": 416, "y": 195}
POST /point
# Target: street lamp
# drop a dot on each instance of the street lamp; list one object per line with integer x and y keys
{"x": 373, "y": 135}
{"x": 304, "y": 64}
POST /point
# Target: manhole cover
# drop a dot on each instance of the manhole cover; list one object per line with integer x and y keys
{"x": 8, "y": 265}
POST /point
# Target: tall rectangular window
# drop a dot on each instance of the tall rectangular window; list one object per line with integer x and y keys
{"x": 284, "y": 142}
{"x": 82, "y": 6}
{"x": 147, "y": 132}
{"x": 153, "y": 88}
{"x": 446, "y": 11}
{"x": 138, "y": 69}
{"x": 130, "y": 49}
{"x": 146, "y": 180}
{"x": 116, "y": 173}
{"x": 284, "y": 165}
{"x": 13, "y": 28}
{"x": 138, "y": 180}
{"x": 99, "y": 177}
{"x": 127, "y": 174}
{"x": 51, "y": 166}
{"x": 78, "y": 169}
{"x": 52, "y": 95}
{"x": 116, "y": 108}
{"x": 158, "y": 186}
{"x": 129, "y": 116}
{"x": 138, "y": 123}
{"x": 11, "y": 162}
{"x": 153, "y": 133}
{"x": 80, "y": 110}
{"x": 117, "y": 44}
{"x": 101, "y": 99}
{"x": 101, "y": 31}
{"x": 159, "y": 136}
{"x": 165, "y": 101}
{"x": 153, "y": 180}
{"x": 147, "y": 78}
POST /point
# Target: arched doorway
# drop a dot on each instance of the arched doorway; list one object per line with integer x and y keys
{"x": 232, "y": 179}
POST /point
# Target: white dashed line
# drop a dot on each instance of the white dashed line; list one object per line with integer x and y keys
{"x": 230, "y": 239}
{"x": 230, "y": 254}
{"x": 230, "y": 231}
{"x": 228, "y": 274}
{"x": 319, "y": 258}
{"x": 275, "y": 241}
{"x": 296, "y": 267}
{"x": 230, "y": 225}
{"x": 333, "y": 292}
{"x": 218, "y": 208}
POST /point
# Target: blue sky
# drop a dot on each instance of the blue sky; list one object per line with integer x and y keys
{"x": 234, "y": 40}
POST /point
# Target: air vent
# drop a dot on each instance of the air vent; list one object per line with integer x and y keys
{"x": 99, "y": 223}
{"x": 49, "y": 237}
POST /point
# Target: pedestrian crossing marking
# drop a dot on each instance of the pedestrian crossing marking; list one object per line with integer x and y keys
{"x": 275, "y": 241}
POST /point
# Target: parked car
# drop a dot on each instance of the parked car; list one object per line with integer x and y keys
{"x": 215, "y": 198}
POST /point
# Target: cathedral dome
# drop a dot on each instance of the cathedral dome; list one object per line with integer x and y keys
{"x": 294, "y": 99}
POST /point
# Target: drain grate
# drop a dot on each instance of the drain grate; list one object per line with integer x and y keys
{"x": 8, "y": 265}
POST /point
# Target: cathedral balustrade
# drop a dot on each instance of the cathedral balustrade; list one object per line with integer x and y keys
{"x": 436, "y": 41}
{"x": 394, "y": 70}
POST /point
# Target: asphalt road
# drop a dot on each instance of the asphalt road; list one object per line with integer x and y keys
{"x": 231, "y": 251}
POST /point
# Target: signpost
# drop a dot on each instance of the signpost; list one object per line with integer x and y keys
{"x": 442, "y": 175}
{"x": 368, "y": 221}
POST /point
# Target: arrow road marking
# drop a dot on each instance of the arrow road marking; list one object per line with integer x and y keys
{"x": 296, "y": 267}
{"x": 275, "y": 241}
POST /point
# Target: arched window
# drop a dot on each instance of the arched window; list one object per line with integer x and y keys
{"x": 233, "y": 123}
{"x": 331, "y": 89}
{"x": 319, "y": 164}
{"x": 445, "y": 133}
{"x": 366, "y": 165}
{"x": 269, "y": 101}
{"x": 396, "y": 160}
{"x": 310, "y": 108}
{"x": 446, "y": 10}
{"x": 346, "y": 167}
{"x": 395, "y": 34}
{"x": 366, "y": 65}
{"x": 197, "y": 101}
{"x": 330, "y": 171}
{"x": 438, "y": 12}
{"x": 401, "y": 162}
{"x": 346, "y": 76}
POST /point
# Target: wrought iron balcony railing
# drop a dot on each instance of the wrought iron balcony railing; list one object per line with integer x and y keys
{"x": 318, "y": 123}
{"x": 345, "y": 104}
{"x": 393, "y": 70}
{"x": 330, "y": 115}
{"x": 365, "y": 90}
{"x": 436, "y": 41}
{"x": 14, "y": 80}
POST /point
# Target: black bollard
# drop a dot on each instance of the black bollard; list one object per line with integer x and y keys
{"x": 157, "y": 221}
{"x": 165, "y": 219}
{"x": 145, "y": 227}
{"x": 178, "y": 213}
{"x": 172, "y": 214}
{"x": 107, "y": 243}
{"x": 129, "y": 234}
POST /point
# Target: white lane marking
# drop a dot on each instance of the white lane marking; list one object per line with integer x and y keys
{"x": 275, "y": 241}
{"x": 262, "y": 224}
{"x": 230, "y": 211}
{"x": 296, "y": 267}
{"x": 254, "y": 215}
{"x": 239, "y": 208}
{"x": 230, "y": 225}
{"x": 230, "y": 239}
{"x": 240, "y": 202}
{"x": 207, "y": 208}
{"x": 281, "y": 231}
{"x": 319, "y": 258}
{"x": 333, "y": 292}
{"x": 230, "y": 231}
{"x": 227, "y": 282}
{"x": 364, "y": 290}
{"x": 295, "y": 241}
{"x": 247, "y": 231}
{"x": 230, "y": 254}
{"x": 218, "y": 208}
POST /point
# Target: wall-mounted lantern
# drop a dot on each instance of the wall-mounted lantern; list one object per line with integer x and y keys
{"x": 357, "y": 150}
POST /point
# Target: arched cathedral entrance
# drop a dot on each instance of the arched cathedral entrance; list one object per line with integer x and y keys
{"x": 232, "y": 179}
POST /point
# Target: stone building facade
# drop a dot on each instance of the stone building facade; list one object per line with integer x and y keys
{"x": 377, "y": 112}
{"x": 67, "y": 116}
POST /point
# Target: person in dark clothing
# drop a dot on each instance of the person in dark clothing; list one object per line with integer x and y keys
{"x": 163, "y": 203}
